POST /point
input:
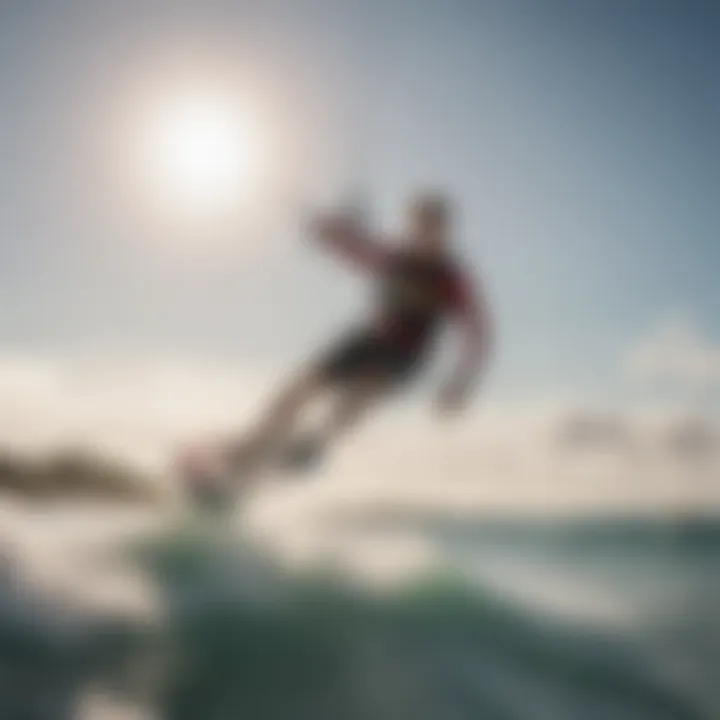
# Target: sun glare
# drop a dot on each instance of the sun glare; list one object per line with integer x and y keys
{"x": 203, "y": 152}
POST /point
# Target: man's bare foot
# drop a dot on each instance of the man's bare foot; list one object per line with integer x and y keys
{"x": 203, "y": 473}
{"x": 244, "y": 458}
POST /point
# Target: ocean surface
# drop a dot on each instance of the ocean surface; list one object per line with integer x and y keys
{"x": 115, "y": 614}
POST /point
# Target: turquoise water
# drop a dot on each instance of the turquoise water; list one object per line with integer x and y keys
{"x": 507, "y": 629}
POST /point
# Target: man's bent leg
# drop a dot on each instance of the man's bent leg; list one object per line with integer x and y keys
{"x": 351, "y": 405}
{"x": 279, "y": 418}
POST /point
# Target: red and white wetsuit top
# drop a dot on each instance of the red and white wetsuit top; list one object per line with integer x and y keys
{"x": 416, "y": 293}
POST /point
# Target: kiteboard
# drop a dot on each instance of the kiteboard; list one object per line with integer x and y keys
{"x": 214, "y": 479}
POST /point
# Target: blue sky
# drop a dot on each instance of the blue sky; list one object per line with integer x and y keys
{"x": 580, "y": 138}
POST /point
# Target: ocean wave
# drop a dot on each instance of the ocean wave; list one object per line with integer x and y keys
{"x": 243, "y": 635}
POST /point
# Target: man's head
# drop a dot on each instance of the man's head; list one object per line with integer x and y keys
{"x": 429, "y": 219}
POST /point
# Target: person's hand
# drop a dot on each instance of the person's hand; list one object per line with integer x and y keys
{"x": 329, "y": 224}
{"x": 317, "y": 225}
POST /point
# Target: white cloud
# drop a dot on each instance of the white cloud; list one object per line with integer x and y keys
{"x": 136, "y": 406}
{"x": 677, "y": 350}
{"x": 533, "y": 455}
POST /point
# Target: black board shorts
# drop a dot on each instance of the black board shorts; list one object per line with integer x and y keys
{"x": 364, "y": 354}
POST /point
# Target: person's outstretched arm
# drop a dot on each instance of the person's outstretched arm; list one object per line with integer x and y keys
{"x": 343, "y": 236}
{"x": 472, "y": 311}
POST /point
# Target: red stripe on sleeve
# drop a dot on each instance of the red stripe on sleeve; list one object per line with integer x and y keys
{"x": 468, "y": 303}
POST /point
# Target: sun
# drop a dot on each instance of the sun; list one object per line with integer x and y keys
{"x": 204, "y": 152}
